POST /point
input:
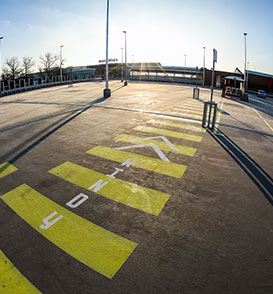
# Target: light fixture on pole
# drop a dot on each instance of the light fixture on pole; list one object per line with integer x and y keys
{"x": 61, "y": 63}
{"x": 126, "y": 72}
{"x": 245, "y": 34}
{"x": 107, "y": 91}
{"x": 204, "y": 66}
{"x": 1, "y": 38}
{"x": 185, "y": 59}
{"x": 121, "y": 64}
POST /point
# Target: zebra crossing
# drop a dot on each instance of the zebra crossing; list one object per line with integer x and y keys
{"x": 99, "y": 249}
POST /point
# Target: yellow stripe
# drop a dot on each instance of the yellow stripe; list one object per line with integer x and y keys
{"x": 188, "y": 110}
{"x": 149, "y": 163}
{"x": 169, "y": 133}
{"x": 187, "y": 114}
{"x": 11, "y": 280}
{"x": 185, "y": 150}
{"x": 99, "y": 249}
{"x": 176, "y": 125}
{"x": 6, "y": 169}
{"x": 130, "y": 194}
{"x": 183, "y": 119}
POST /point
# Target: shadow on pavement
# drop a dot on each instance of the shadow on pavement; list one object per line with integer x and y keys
{"x": 255, "y": 172}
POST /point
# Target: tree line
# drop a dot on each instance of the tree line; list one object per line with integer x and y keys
{"x": 14, "y": 68}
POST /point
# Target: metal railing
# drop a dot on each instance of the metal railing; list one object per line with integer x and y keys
{"x": 10, "y": 87}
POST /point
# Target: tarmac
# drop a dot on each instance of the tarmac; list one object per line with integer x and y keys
{"x": 131, "y": 194}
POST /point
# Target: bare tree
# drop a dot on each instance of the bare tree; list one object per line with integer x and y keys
{"x": 28, "y": 63}
{"x": 48, "y": 61}
{"x": 13, "y": 69}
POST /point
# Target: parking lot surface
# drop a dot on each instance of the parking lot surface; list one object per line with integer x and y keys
{"x": 132, "y": 195}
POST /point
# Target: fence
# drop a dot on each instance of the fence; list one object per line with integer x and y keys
{"x": 9, "y": 87}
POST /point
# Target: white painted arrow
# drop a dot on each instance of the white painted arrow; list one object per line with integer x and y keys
{"x": 153, "y": 145}
{"x": 157, "y": 137}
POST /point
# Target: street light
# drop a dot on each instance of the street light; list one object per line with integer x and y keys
{"x": 125, "y": 82}
{"x": 204, "y": 65}
{"x": 121, "y": 64}
{"x": 1, "y": 38}
{"x": 107, "y": 91}
{"x": 185, "y": 59}
{"x": 61, "y": 62}
{"x": 245, "y": 65}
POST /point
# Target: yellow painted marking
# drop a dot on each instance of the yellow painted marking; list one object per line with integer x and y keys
{"x": 99, "y": 249}
{"x": 263, "y": 119}
{"x": 188, "y": 110}
{"x": 186, "y": 114}
{"x": 130, "y": 194}
{"x": 6, "y": 169}
{"x": 176, "y": 125}
{"x": 11, "y": 280}
{"x": 185, "y": 150}
{"x": 182, "y": 119}
{"x": 219, "y": 114}
{"x": 165, "y": 132}
{"x": 149, "y": 163}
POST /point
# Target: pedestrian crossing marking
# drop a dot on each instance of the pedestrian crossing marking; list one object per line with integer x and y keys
{"x": 11, "y": 280}
{"x": 149, "y": 163}
{"x": 94, "y": 246}
{"x": 185, "y": 150}
{"x": 133, "y": 195}
{"x": 165, "y": 132}
{"x": 188, "y": 110}
{"x": 177, "y": 125}
{"x": 6, "y": 168}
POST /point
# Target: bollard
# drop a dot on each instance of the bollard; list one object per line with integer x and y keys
{"x": 210, "y": 109}
{"x": 196, "y": 93}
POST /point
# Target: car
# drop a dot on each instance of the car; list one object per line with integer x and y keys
{"x": 261, "y": 93}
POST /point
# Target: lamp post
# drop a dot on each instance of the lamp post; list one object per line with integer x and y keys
{"x": 107, "y": 91}
{"x": 1, "y": 38}
{"x": 185, "y": 59}
{"x": 61, "y": 63}
{"x": 204, "y": 66}
{"x": 125, "y": 82}
{"x": 245, "y": 34}
{"x": 121, "y": 64}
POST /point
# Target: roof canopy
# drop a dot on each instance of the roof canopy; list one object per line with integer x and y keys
{"x": 234, "y": 78}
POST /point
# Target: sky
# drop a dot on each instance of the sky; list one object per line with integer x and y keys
{"x": 157, "y": 31}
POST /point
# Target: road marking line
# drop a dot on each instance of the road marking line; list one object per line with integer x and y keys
{"x": 182, "y": 119}
{"x": 219, "y": 113}
{"x": 11, "y": 280}
{"x": 99, "y": 249}
{"x": 188, "y": 110}
{"x": 165, "y": 132}
{"x": 153, "y": 164}
{"x": 177, "y": 125}
{"x": 185, "y": 150}
{"x": 263, "y": 119}
{"x": 130, "y": 194}
{"x": 153, "y": 145}
{"x": 6, "y": 168}
{"x": 158, "y": 137}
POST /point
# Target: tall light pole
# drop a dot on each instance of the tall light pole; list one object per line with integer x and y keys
{"x": 126, "y": 72}
{"x": 121, "y": 64}
{"x": 1, "y": 38}
{"x": 245, "y": 65}
{"x": 185, "y": 59}
{"x": 107, "y": 91}
{"x": 61, "y": 63}
{"x": 204, "y": 66}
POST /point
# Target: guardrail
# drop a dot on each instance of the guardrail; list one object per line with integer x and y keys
{"x": 10, "y": 87}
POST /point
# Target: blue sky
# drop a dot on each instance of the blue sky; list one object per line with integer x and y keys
{"x": 158, "y": 31}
